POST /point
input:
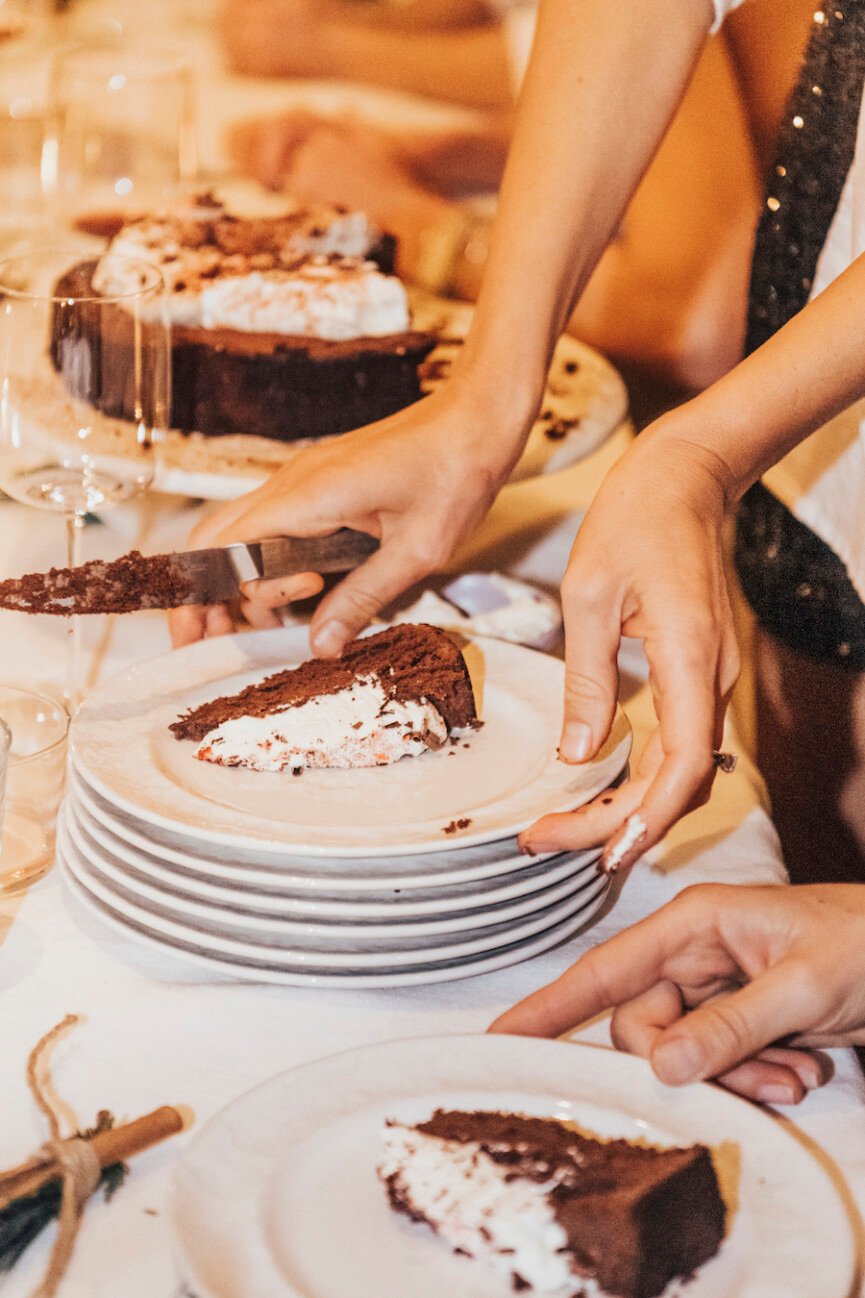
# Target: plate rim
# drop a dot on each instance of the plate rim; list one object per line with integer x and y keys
{"x": 346, "y": 851}
{"x": 333, "y": 961}
{"x": 443, "y": 972}
{"x": 213, "y": 483}
{"x": 745, "y": 1117}
{"x": 346, "y": 882}
{"x": 426, "y": 924}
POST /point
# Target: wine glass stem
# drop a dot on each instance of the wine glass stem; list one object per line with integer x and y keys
{"x": 74, "y": 671}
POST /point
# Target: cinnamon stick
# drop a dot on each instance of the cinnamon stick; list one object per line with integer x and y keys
{"x": 114, "y": 1145}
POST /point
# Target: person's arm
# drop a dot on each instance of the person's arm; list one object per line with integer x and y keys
{"x": 299, "y": 38}
{"x": 670, "y": 293}
{"x": 648, "y": 563}
{"x": 711, "y": 980}
{"x": 415, "y": 15}
{"x": 602, "y": 84}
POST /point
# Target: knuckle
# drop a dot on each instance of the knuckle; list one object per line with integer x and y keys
{"x": 621, "y": 1030}
{"x": 698, "y": 898}
{"x": 585, "y": 589}
{"x": 808, "y": 986}
{"x": 428, "y": 552}
{"x": 363, "y": 603}
{"x": 731, "y": 1027}
{"x": 582, "y": 687}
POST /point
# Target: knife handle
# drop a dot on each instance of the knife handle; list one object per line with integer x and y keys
{"x": 339, "y": 552}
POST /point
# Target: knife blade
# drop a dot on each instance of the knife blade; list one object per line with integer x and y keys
{"x": 135, "y": 581}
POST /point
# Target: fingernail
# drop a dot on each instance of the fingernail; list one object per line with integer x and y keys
{"x": 576, "y": 742}
{"x": 776, "y": 1094}
{"x": 679, "y": 1061}
{"x": 330, "y": 640}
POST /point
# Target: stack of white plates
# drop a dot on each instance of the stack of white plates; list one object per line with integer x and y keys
{"x": 381, "y": 877}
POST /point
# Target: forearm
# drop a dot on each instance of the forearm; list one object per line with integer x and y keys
{"x": 417, "y": 15}
{"x": 807, "y": 373}
{"x": 602, "y": 85}
{"x": 467, "y": 67}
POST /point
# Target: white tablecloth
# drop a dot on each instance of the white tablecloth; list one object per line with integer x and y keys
{"x": 156, "y": 1033}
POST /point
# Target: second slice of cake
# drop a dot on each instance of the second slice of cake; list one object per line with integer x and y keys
{"x": 391, "y": 695}
{"x": 555, "y": 1211}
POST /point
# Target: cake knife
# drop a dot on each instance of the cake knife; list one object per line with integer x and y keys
{"x": 191, "y": 577}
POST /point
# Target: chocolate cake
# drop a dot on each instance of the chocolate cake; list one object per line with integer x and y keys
{"x": 285, "y": 327}
{"x": 393, "y": 694}
{"x": 102, "y": 586}
{"x": 553, "y": 1208}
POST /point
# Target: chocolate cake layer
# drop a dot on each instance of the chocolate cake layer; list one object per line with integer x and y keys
{"x": 412, "y": 661}
{"x": 114, "y": 586}
{"x": 635, "y": 1217}
{"x": 226, "y": 381}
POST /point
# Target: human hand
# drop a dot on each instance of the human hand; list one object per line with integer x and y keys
{"x": 279, "y": 38}
{"x": 705, "y": 986}
{"x": 647, "y": 563}
{"x": 353, "y": 163}
{"x": 418, "y": 481}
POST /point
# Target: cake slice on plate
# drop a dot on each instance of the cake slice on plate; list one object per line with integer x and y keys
{"x": 391, "y": 695}
{"x": 554, "y": 1210}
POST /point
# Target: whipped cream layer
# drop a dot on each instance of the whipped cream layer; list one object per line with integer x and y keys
{"x": 359, "y": 726}
{"x": 198, "y": 245}
{"x": 335, "y": 300}
{"x": 481, "y": 1208}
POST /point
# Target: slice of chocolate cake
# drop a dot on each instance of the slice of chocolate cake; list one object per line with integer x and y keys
{"x": 554, "y": 1210}
{"x": 391, "y": 695}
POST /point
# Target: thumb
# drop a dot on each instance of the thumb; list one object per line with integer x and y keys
{"x": 351, "y": 605}
{"x": 722, "y": 1033}
{"x": 592, "y": 638}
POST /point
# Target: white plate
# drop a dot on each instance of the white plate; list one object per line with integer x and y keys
{"x": 301, "y": 951}
{"x": 320, "y": 874}
{"x": 165, "y": 887}
{"x": 277, "y": 1196}
{"x": 432, "y": 902}
{"x": 202, "y": 958}
{"x": 505, "y": 779}
{"x": 588, "y": 403}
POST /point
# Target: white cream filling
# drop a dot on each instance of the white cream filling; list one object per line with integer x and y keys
{"x": 468, "y": 1199}
{"x": 324, "y": 232}
{"x": 635, "y": 831}
{"x": 358, "y": 726}
{"x": 343, "y": 234}
{"x": 319, "y": 301}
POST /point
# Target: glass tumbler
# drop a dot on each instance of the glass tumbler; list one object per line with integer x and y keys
{"x": 37, "y": 727}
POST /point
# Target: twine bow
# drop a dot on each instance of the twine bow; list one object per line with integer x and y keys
{"x": 77, "y": 1160}
{"x": 59, "y": 1179}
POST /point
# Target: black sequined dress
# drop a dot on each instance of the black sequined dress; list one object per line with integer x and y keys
{"x": 796, "y": 584}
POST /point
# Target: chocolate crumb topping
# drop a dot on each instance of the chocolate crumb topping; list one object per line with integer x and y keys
{"x": 462, "y": 823}
{"x": 114, "y": 586}
{"x": 410, "y": 662}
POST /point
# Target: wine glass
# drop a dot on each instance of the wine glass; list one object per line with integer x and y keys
{"x": 85, "y": 373}
{"x": 120, "y": 135}
{"x": 24, "y": 35}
